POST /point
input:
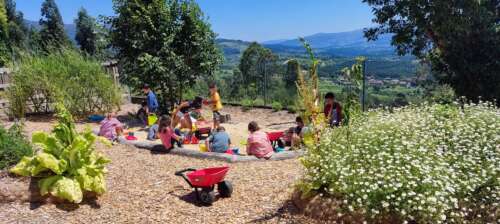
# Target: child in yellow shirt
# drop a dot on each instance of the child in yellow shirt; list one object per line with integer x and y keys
{"x": 216, "y": 104}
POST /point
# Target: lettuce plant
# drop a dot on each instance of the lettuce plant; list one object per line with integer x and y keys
{"x": 66, "y": 161}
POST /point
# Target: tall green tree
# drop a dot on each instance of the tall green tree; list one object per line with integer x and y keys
{"x": 166, "y": 44}
{"x": 17, "y": 28}
{"x": 460, "y": 38}
{"x": 194, "y": 44}
{"x": 86, "y": 32}
{"x": 257, "y": 65}
{"x": 52, "y": 27}
{"x": 4, "y": 35}
{"x": 292, "y": 73}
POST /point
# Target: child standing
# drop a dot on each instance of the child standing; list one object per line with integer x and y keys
{"x": 216, "y": 104}
{"x": 167, "y": 134}
{"x": 151, "y": 100}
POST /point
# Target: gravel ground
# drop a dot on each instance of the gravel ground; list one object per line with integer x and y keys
{"x": 142, "y": 188}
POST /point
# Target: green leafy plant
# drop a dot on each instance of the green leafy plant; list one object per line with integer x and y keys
{"x": 13, "y": 146}
{"x": 277, "y": 106}
{"x": 67, "y": 161}
{"x": 82, "y": 83}
{"x": 354, "y": 75}
{"x": 258, "y": 102}
{"x": 422, "y": 164}
{"x": 246, "y": 104}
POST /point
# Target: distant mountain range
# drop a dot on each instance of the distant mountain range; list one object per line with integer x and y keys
{"x": 70, "y": 28}
{"x": 344, "y": 44}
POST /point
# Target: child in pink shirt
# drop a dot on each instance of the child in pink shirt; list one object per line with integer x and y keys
{"x": 167, "y": 134}
{"x": 258, "y": 143}
{"x": 110, "y": 127}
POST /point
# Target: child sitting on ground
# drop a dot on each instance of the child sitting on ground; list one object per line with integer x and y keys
{"x": 167, "y": 134}
{"x": 154, "y": 131}
{"x": 111, "y": 127}
{"x": 219, "y": 141}
{"x": 258, "y": 143}
{"x": 142, "y": 113}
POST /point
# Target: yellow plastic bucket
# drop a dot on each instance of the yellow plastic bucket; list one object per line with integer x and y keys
{"x": 203, "y": 147}
{"x": 152, "y": 119}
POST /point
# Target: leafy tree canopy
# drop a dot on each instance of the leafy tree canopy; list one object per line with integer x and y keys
{"x": 4, "y": 35}
{"x": 52, "y": 27}
{"x": 86, "y": 32}
{"x": 16, "y": 27}
{"x": 256, "y": 64}
{"x": 460, "y": 38}
{"x": 166, "y": 44}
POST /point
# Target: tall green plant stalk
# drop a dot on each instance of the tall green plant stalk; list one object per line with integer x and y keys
{"x": 308, "y": 91}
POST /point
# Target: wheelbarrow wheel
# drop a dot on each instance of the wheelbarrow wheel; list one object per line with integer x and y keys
{"x": 225, "y": 189}
{"x": 207, "y": 196}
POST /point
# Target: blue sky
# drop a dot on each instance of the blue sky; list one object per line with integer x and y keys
{"x": 258, "y": 20}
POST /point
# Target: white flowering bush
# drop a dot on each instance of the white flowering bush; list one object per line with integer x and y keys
{"x": 425, "y": 164}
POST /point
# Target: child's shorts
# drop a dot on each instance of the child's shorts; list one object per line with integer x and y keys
{"x": 216, "y": 115}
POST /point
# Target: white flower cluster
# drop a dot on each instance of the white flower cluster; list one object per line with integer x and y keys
{"x": 425, "y": 163}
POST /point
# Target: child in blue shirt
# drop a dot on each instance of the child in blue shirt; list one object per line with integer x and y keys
{"x": 151, "y": 99}
{"x": 219, "y": 141}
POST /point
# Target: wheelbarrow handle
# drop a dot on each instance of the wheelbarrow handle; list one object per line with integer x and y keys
{"x": 181, "y": 172}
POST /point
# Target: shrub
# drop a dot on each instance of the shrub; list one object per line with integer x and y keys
{"x": 80, "y": 82}
{"x": 13, "y": 146}
{"x": 258, "y": 102}
{"x": 277, "y": 106}
{"x": 428, "y": 163}
{"x": 292, "y": 109}
{"x": 246, "y": 104}
{"x": 443, "y": 94}
{"x": 67, "y": 161}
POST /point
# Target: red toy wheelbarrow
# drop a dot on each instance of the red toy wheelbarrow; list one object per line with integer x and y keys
{"x": 206, "y": 179}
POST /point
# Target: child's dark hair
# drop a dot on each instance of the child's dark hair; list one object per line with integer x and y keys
{"x": 253, "y": 126}
{"x": 330, "y": 95}
{"x": 197, "y": 102}
{"x": 165, "y": 122}
{"x": 212, "y": 85}
{"x": 144, "y": 103}
{"x": 299, "y": 119}
{"x": 220, "y": 129}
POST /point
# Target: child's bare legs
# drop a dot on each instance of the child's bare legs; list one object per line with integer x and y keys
{"x": 119, "y": 131}
{"x": 296, "y": 140}
{"x": 188, "y": 122}
{"x": 207, "y": 144}
{"x": 216, "y": 116}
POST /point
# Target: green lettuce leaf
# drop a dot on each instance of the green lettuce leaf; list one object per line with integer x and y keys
{"x": 46, "y": 184}
{"x": 39, "y": 137}
{"x": 67, "y": 188}
{"x": 24, "y": 167}
{"x": 51, "y": 162}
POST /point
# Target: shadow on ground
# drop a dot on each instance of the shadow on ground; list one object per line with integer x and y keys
{"x": 283, "y": 213}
